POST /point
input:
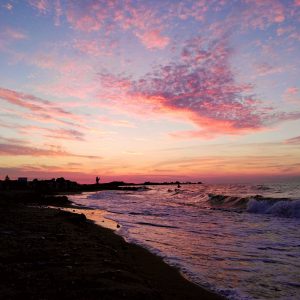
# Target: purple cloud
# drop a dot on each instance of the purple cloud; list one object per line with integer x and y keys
{"x": 201, "y": 85}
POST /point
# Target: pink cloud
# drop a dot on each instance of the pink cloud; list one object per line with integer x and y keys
{"x": 7, "y": 149}
{"x": 264, "y": 69}
{"x": 115, "y": 82}
{"x": 46, "y": 6}
{"x": 202, "y": 87}
{"x": 15, "y": 34}
{"x": 56, "y": 133}
{"x": 279, "y": 117}
{"x": 41, "y": 5}
{"x": 292, "y": 90}
{"x": 283, "y": 30}
{"x": 262, "y": 14}
{"x": 74, "y": 77}
{"x": 65, "y": 134}
{"x": 64, "y": 65}
{"x": 292, "y": 94}
{"x": 43, "y": 61}
{"x": 70, "y": 87}
{"x": 40, "y": 117}
{"x": 247, "y": 14}
{"x": 140, "y": 17}
{"x": 11, "y": 140}
{"x": 144, "y": 21}
{"x": 85, "y": 23}
{"x": 291, "y": 32}
{"x": 94, "y": 47}
{"x": 38, "y": 107}
{"x": 153, "y": 39}
{"x": 9, "y": 35}
{"x": 8, "y": 6}
{"x": 20, "y": 99}
{"x": 297, "y": 2}
{"x": 199, "y": 87}
{"x": 58, "y": 12}
{"x": 88, "y": 17}
{"x": 252, "y": 15}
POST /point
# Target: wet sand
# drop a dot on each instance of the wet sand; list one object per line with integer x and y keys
{"x": 50, "y": 254}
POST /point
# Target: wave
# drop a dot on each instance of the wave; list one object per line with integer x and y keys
{"x": 227, "y": 202}
{"x": 280, "y": 207}
{"x": 156, "y": 225}
{"x": 148, "y": 213}
{"x": 262, "y": 187}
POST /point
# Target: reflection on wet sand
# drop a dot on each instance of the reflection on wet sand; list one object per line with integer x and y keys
{"x": 95, "y": 215}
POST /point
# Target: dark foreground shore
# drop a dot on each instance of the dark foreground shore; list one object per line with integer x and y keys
{"x": 50, "y": 254}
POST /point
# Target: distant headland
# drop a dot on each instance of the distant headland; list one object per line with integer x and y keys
{"x": 61, "y": 184}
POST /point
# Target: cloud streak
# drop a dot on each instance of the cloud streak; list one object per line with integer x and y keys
{"x": 55, "y": 133}
{"x": 10, "y": 35}
{"x": 41, "y": 5}
{"x": 42, "y": 108}
{"x": 293, "y": 141}
{"x": 13, "y": 149}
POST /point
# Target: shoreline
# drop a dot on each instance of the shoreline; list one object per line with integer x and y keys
{"x": 49, "y": 253}
{"x": 95, "y": 216}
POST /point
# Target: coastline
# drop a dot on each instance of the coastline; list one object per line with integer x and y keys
{"x": 47, "y": 253}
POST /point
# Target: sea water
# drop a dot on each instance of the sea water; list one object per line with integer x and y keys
{"x": 242, "y": 241}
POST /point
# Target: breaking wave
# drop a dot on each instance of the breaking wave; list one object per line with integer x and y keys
{"x": 280, "y": 207}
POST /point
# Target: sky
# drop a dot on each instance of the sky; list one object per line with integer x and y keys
{"x": 157, "y": 90}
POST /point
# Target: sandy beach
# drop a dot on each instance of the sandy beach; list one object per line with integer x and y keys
{"x": 46, "y": 253}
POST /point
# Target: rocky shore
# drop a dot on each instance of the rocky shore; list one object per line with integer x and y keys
{"x": 52, "y": 254}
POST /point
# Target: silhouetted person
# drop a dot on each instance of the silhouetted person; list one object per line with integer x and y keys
{"x": 6, "y": 183}
{"x": 97, "y": 180}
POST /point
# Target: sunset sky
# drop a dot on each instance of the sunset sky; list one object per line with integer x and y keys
{"x": 150, "y": 90}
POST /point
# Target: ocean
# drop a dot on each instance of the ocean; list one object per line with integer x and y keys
{"x": 239, "y": 240}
